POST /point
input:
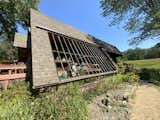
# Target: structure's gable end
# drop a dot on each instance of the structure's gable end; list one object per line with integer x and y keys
{"x": 20, "y": 40}
{"x": 43, "y": 65}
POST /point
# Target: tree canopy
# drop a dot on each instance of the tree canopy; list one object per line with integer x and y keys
{"x": 12, "y": 13}
{"x": 140, "y": 54}
{"x": 140, "y": 17}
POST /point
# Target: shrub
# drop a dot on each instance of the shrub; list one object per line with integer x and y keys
{"x": 128, "y": 77}
{"x": 15, "y": 103}
{"x": 18, "y": 104}
{"x": 67, "y": 104}
{"x": 110, "y": 83}
{"x": 150, "y": 75}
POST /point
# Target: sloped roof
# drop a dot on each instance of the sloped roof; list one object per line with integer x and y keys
{"x": 56, "y": 26}
{"x": 20, "y": 40}
{"x": 106, "y": 46}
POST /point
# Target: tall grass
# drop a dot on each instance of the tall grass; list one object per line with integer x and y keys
{"x": 18, "y": 104}
{"x": 110, "y": 83}
{"x": 69, "y": 103}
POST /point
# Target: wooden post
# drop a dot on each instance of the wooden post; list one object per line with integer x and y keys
{"x": 6, "y": 82}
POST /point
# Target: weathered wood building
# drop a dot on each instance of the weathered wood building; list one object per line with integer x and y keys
{"x": 57, "y": 53}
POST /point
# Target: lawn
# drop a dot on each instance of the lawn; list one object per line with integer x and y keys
{"x": 147, "y": 63}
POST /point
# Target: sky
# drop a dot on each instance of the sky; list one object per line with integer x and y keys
{"x": 85, "y": 15}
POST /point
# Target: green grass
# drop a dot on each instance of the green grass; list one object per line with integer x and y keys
{"x": 147, "y": 63}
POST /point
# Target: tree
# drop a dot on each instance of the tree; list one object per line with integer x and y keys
{"x": 140, "y": 54}
{"x": 140, "y": 17}
{"x": 12, "y": 13}
{"x": 7, "y": 52}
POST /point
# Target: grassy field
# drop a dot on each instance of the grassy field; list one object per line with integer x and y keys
{"x": 147, "y": 63}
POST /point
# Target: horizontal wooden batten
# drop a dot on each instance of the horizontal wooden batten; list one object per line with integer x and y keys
{"x": 56, "y": 32}
{"x": 76, "y": 79}
{"x": 13, "y": 76}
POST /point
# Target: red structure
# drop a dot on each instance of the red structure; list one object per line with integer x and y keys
{"x": 11, "y": 72}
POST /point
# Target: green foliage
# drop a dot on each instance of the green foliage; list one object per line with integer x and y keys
{"x": 13, "y": 12}
{"x": 121, "y": 67}
{"x": 18, "y": 104}
{"x": 68, "y": 103}
{"x": 140, "y": 17}
{"x": 139, "y": 54}
{"x": 15, "y": 103}
{"x": 151, "y": 75}
{"x": 148, "y": 63}
{"x": 7, "y": 51}
{"x": 110, "y": 83}
{"x": 129, "y": 77}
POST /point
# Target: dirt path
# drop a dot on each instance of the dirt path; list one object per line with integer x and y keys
{"x": 146, "y": 104}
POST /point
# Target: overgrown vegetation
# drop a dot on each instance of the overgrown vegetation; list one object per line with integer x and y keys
{"x": 111, "y": 83}
{"x": 17, "y": 103}
{"x": 151, "y": 75}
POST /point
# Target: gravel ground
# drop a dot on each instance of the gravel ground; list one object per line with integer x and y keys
{"x": 113, "y": 105}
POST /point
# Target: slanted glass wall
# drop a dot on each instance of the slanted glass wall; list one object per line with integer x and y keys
{"x": 76, "y": 58}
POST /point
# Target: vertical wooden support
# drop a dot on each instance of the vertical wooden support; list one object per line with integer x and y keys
{"x": 98, "y": 55}
{"x": 64, "y": 52}
{"x": 5, "y": 83}
{"x": 94, "y": 56}
{"x": 107, "y": 62}
{"x": 53, "y": 37}
{"x": 85, "y": 60}
{"x": 74, "y": 54}
{"x": 99, "y": 61}
{"x": 78, "y": 52}
{"x": 87, "y": 55}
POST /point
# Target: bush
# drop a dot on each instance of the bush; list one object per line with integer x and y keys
{"x": 150, "y": 75}
{"x": 129, "y": 77}
{"x": 18, "y": 104}
{"x": 69, "y": 103}
{"x": 110, "y": 83}
{"x": 15, "y": 103}
{"x": 7, "y": 51}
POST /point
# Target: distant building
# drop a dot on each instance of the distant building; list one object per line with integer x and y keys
{"x": 56, "y": 53}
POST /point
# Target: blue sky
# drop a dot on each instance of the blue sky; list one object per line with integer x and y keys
{"x": 85, "y": 15}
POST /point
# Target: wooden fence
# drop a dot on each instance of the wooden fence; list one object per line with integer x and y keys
{"x": 11, "y": 72}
